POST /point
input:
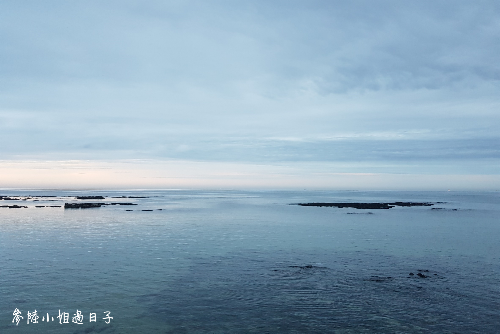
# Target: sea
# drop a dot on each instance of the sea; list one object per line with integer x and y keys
{"x": 229, "y": 261}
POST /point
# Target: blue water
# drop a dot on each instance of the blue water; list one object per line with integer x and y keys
{"x": 249, "y": 262}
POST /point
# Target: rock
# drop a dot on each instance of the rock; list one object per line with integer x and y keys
{"x": 421, "y": 275}
{"x": 367, "y": 205}
{"x": 411, "y": 204}
{"x": 380, "y": 279}
{"x": 89, "y": 197}
{"x": 350, "y": 205}
{"x": 307, "y": 266}
{"x": 82, "y": 205}
{"x": 91, "y": 205}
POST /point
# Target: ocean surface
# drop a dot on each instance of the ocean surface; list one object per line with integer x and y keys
{"x": 249, "y": 262}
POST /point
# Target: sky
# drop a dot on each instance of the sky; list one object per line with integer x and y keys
{"x": 250, "y": 94}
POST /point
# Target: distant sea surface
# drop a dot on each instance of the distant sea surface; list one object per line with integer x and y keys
{"x": 249, "y": 262}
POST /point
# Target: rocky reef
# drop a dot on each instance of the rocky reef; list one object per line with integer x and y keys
{"x": 91, "y": 205}
{"x": 370, "y": 206}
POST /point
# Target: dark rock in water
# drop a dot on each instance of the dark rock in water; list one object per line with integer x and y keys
{"x": 380, "y": 279}
{"x": 147, "y": 210}
{"x": 367, "y": 205}
{"x": 89, "y": 197}
{"x": 307, "y": 266}
{"x": 351, "y": 205}
{"x": 82, "y": 205}
{"x": 39, "y": 206}
{"x": 6, "y": 198}
{"x": 55, "y": 206}
{"x": 420, "y": 274}
{"x": 91, "y": 205}
{"x": 14, "y": 206}
{"x": 411, "y": 204}
{"x": 129, "y": 210}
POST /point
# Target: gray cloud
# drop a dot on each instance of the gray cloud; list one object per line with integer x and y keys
{"x": 218, "y": 80}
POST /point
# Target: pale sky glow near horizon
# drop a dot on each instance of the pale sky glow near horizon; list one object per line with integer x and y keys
{"x": 250, "y": 94}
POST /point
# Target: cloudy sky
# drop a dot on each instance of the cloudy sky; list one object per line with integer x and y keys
{"x": 250, "y": 94}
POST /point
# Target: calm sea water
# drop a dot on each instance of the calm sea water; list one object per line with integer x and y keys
{"x": 249, "y": 262}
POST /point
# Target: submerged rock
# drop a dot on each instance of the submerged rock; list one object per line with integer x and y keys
{"x": 308, "y": 266}
{"x": 374, "y": 278}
